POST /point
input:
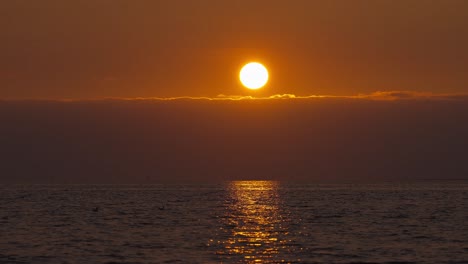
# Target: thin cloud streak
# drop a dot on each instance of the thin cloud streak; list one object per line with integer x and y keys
{"x": 377, "y": 96}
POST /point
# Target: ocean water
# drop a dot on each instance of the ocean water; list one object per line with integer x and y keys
{"x": 235, "y": 222}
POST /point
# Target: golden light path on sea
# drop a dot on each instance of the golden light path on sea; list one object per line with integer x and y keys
{"x": 256, "y": 222}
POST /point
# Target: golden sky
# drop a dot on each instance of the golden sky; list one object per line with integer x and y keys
{"x": 155, "y": 48}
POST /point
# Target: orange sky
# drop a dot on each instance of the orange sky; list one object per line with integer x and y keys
{"x": 155, "y": 48}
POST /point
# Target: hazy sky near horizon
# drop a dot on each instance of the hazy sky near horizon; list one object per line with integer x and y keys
{"x": 182, "y": 141}
{"x": 145, "y": 48}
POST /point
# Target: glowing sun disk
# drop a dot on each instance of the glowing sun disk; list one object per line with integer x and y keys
{"x": 254, "y": 75}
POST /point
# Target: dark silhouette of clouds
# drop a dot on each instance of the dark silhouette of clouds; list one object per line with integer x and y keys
{"x": 397, "y": 136}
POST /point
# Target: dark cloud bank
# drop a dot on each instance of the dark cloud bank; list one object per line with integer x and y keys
{"x": 305, "y": 139}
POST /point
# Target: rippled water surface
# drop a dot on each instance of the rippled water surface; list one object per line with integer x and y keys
{"x": 237, "y": 222}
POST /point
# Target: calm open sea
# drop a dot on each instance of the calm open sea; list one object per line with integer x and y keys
{"x": 236, "y": 222}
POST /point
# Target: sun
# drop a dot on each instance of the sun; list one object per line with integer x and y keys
{"x": 254, "y": 75}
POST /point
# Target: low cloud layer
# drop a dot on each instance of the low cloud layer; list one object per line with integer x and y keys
{"x": 379, "y": 96}
{"x": 385, "y": 136}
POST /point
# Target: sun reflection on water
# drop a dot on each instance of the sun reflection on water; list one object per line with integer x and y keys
{"x": 254, "y": 223}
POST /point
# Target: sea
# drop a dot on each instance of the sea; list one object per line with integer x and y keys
{"x": 235, "y": 222}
